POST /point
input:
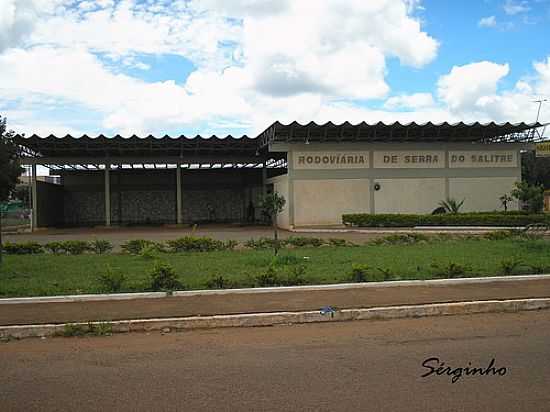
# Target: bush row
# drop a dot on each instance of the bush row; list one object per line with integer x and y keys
{"x": 67, "y": 247}
{"x": 458, "y": 219}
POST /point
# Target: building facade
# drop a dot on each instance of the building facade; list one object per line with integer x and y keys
{"x": 323, "y": 171}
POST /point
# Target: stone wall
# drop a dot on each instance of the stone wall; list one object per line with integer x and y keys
{"x": 149, "y": 196}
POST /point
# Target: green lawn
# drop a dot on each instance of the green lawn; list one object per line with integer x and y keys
{"x": 33, "y": 275}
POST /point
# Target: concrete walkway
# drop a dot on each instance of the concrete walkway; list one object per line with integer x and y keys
{"x": 295, "y": 299}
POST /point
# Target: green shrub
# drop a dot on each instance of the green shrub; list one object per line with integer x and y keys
{"x": 450, "y": 270}
{"x": 499, "y": 235}
{"x": 149, "y": 252}
{"x": 268, "y": 278}
{"x": 163, "y": 277}
{"x": 99, "y": 329}
{"x": 230, "y": 244}
{"x": 195, "y": 244}
{"x": 285, "y": 260}
{"x": 71, "y": 329}
{"x": 514, "y": 218}
{"x": 111, "y": 281}
{"x": 401, "y": 239}
{"x": 23, "y": 248}
{"x": 101, "y": 246}
{"x": 386, "y": 274}
{"x": 54, "y": 247}
{"x": 338, "y": 242}
{"x": 296, "y": 277}
{"x": 135, "y": 246}
{"x": 217, "y": 282}
{"x": 359, "y": 273}
{"x": 510, "y": 266}
{"x": 302, "y": 241}
{"x": 264, "y": 243}
{"x": 75, "y": 247}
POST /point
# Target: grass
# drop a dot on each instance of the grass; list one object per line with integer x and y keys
{"x": 42, "y": 275}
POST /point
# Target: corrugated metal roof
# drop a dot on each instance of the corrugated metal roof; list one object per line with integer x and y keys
{"x": 396, "y": 132}
{"x": 99, "y": 146}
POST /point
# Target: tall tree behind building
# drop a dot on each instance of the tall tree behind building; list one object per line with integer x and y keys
{"x": 10, "y": 170}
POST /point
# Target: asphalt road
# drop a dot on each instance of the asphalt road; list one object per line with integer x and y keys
{"x": 354, "y": 366}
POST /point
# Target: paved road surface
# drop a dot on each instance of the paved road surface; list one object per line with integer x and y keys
{"x": 354, "y": 366}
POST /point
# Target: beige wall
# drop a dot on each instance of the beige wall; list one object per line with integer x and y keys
{"x": 409, "y": 195}
{"x": 280, "y": 185}
{"x": 482, "y": 194}
{"x": 323, "y": 202}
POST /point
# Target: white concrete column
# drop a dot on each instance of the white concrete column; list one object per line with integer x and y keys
{"x": 179, "y": 216}
{"x": 34, "y": 221}
{"x": 107, "y": 194}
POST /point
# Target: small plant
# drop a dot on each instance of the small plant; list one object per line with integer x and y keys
{"x": 100, "y": 329}
{"x": 111, "y": 281}
{"x": 499, "y": 235}
{"x": 163, "y": 277}
{"x": 75, "y": 247}
{"x": 402, "y": 239}
{"x": 195, "y": 244}
{"x": 135, "y": 246}
{"x": 149, "y": 252}
{"x": 338, "y": 242}
{"x": 285, "y": 260}
{"x": 230, "y": 244}
{"x": 296, "y": 277}
{"x": 359, "y": 273}
{"x": 94, "y": 329}
{"x": 386, "y": 274}
{"x": 72, "y": 329}
{"x": 451, "y": 270}
{"x": 302, "y": 241}
{"x": 217, "y": 282}
{"x": 271, "y": 205}
{"x": 101, "y": 246}
{"x": 268, "y": 278}
{"x": 263, "y": 243}
{"x": 509, "y": 267}
{"x": 504, "y": 200}
{"x": 54, "y": 247}
{"x": 451, "y": 205}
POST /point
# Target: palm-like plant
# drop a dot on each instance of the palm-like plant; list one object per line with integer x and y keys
{"x": 505, "y": 199}
{"x": 451, "y": 205}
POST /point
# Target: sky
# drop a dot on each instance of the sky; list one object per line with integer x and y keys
{"x": 233, "y": 67}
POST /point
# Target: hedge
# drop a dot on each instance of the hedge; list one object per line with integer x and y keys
{"x": 448, "y": 219}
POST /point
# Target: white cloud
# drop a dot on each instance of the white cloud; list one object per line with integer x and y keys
{"x": 490, "y": 21}
{"x": 17, "y": 19}
{"x": 410, "y": 101}
{"x": 464, "y": 85}
{"x": 512, "y": 7}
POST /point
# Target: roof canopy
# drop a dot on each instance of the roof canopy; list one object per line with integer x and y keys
{"x": 397, "y": 132}
{"x": 84, "y": 150}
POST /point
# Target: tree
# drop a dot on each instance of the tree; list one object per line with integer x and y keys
{"x": 530, "y": 196}
{"x": 10, "y": 170}
{"x": 535, "y": 170}
{"x": 273, "y": 204}
{"x": 451, "y": 205}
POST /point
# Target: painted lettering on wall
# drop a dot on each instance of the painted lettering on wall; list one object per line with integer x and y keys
{"x": 331, "y": 160}
{"x": 409, "y": 159}
{"x": 476, "y": 158}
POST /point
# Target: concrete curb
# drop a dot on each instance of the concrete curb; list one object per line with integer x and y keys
{"x": 414, "y": 229}
{"x": 286, "y": 318}
{"x": 280, "y": 289}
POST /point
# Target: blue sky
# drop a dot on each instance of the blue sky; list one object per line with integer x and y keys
{"x": 234, "y": 66}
